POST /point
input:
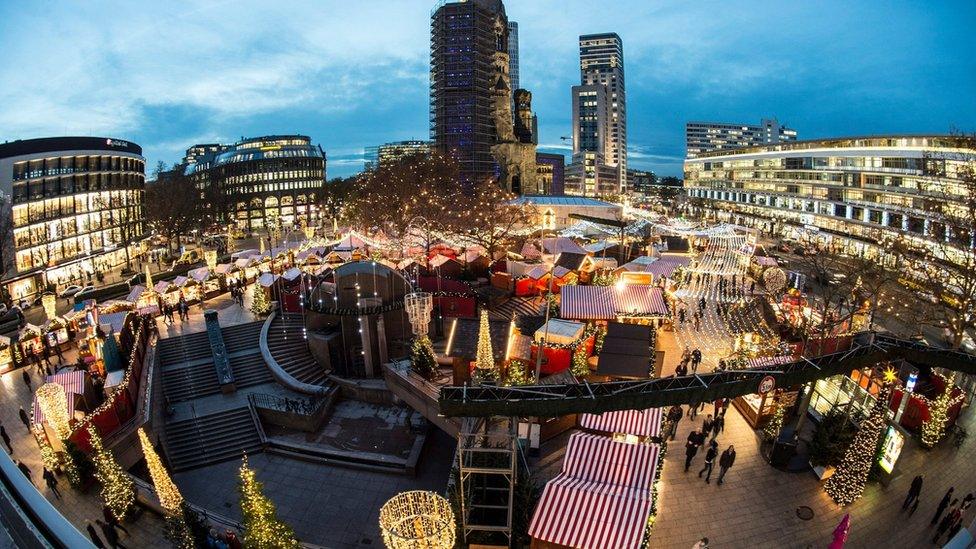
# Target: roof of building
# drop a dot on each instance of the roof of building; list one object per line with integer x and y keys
{"x": 914, "y": 140}
{"x": 545, "y": 200}
{"x": 23, "y": 147}
{"x": 626, "y": 351}
{"x": 465, "y": 341}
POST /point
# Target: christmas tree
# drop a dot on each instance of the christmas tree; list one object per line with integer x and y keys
{"x": 484, "y": 366}
{"x": 422, "y": 359}
{"x": 261, "y": 305}
{"x": 775, "y": 423}
{"x": 847, "y": 483}
{"x": 580, "y": 366}
{"x": 169, "y": 496}
{"x": 118, "y": 490}
{"x": 262, "y": 529}
{"x": 517, "y": 373}
{"x": 934, "y": 429}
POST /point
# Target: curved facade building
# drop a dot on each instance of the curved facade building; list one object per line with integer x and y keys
{"x": 847, "y": 194}
{"x": 69, "y": 206}
{"x": 261, "y": 178}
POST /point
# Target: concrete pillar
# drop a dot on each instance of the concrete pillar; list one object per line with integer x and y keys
{"x": 366, "y": 336}
{"x": 381, "y": 340}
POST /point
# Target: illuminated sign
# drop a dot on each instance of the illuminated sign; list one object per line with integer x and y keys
{"x": 767, "y": 384}
{"x": 116, "y": 143}
{"x": 891, "y": 449}
{"x": 912, "y": 379}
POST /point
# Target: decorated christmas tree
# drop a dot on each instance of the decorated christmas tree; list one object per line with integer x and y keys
{"x": 261, "y": 305}
{"x": 775, "y": 423}
{"x": 934, "y": 429}
{"x": 261, "y": 525}
{"x": 422, "y": 357}
{"x": 118, "y": 490}
{"x": 484, "y": 366}
{"x": 169, "y": 496}
{"x": 517, "y": 373}
{"x": 847, "y": 483}
{"x": 580, "y": 367}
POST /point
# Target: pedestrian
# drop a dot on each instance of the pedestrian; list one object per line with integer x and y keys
{"x": 233, "y": 542}
{"x": 701, "y": 544}
{"x": 966, "y": 501}
{"x": 681, "y": 370}
{"x": 698, "y": 322}
{"x": 955, "y": 527}
{"x": 913, "y": 492}
{"x": 94, "y": 536}
{"x": 111, "y": 536}
{"x": 52, "y": 482}
{"x": 725, "y": 463}
{"x": 25, "y": 469}
{"x": 942, "y": 506}
{"x": 695, "y": 440}
{"x": 24, "y": 419}
{"x": 953, "y": 515}
{"x": 111, "y": 519}
{"x": 6, "y": 439}
{"x": 719, "y": 425}
{"x": 696, "y": 358}
{"x": 27, "y": 379}
{"x": 681, "y": 315}
{"x": 709, "y": 460}
{"x": 708, "y": 424}
{"x": 675, "y": 413}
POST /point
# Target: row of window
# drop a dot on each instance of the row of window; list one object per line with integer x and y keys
{"x": 61, "y": 165}
{"x": 70, "y": 248}
{"x": 52, "y": 231}
{"x": 66, "y": 185}
{"x": 56, "y": 208}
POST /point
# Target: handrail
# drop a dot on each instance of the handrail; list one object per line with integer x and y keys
{"x": 305, "y": 406}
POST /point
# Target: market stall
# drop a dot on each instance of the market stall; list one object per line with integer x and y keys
{"x": 625, "y": 425}
{"x": 560, "y": 340}
{"x": 208, "y": 283}
{"x": 146, "y": 301}
{"x": 29, "y": 343}
{"x": 56, "y": 333}
{"x": 6, "y": 354}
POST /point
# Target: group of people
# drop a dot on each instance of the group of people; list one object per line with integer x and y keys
{"x": 948, "y": 516}
{"x": 109, "y": 527}
{"x": 237, "y": 291}
{"x": 688, "y": 358}
{"x": 182, "y": 308}
{"x": 710, "y": 428}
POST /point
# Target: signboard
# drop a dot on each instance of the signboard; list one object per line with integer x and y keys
{"x": 767, "y": 384}
{"x": 891, "y": 448}
{"x": 910, "y": 384}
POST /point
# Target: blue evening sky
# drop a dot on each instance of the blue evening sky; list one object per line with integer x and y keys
{"x": 354, "y": 73}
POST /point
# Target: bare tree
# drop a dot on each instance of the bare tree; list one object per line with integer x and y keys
{"x": 172, "y": 205}
{"x": 490, "y": 217}
{"x": 945, "y": 266}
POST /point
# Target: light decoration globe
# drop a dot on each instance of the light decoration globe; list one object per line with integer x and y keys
{"x": 417, "y": 520}
{"x": 418, "y": 306}
{"x": 49, "y": 302}
{"x": 211, "y": 258}
{"x": 54, "y": 405}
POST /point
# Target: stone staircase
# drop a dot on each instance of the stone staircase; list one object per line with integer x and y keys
{"x": 289, "y": 349}
{"x": 213, "y": 438}
{"x": 183, "y": 349}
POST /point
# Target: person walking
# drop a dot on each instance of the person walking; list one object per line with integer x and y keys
{"x": 6, "y": 439}
{"x": 719, "y": 425}
{"x": 111, "y": 536}
{"x": 942, "y": 506}
{"x": 27, "y": 379}
{"x": 953, "y": 515}
{"x": 25, "y": 469}
{"x": 675, "y": 413}
{"x": 94, "y": 536}
{"x": 701, "y": 544}
{"x": 966, "y": 501}
{"x": 695, "y": 440}
{"x": 110, "y": 519}
{"x": 681, "y": 370}
{"x": 725, "y": 463}
{"x": 24, "y": 419}
{"x": 696, "y": 358}
{"x": 913, "y": 492}
{"x": 708, "y": 424}
{"x": 709, "y": 461}
{"x": 52, "y": 482}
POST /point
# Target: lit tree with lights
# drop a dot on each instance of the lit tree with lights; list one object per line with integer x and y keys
{"x": 262, "y": 528}
{"x": 847, "y": 483}
{"x": 580, "y": 367}
{"x": 484, "y": 367}
{"x": 118, "y": 490}
{"x": 422, "y": 358}
{"x": 490, "y": 218}
{"x": 934, "y": 429}
{"x": 260, "y": 305}
{"x": 775, "y": 423}
{"x": 169, "y": 496}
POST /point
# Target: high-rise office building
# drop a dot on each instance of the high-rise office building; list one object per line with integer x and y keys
{"x": 600, "y": 115}
{"x": 552, "y": 172}
{"x": 703, "y": 137}
{"x": 513, "y": 55}
{"x": 391, "y": 152}
{"x": 464, "y": 48}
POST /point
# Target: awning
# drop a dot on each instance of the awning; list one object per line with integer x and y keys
{"x": 602, "y": 496}
{"x": 225, "y": 268}
{"x": 135, "y": 293}
{"x": 73, "y": 384}
{"x": 562, "y": 332}
{"x": 292, "y": 274}
{"x": 643, "y": 423}
{"x": 200, "y": 274}
{"x": 641, "y": 299}
{"x": 664, "y": 268}
{"x": 587, "y": 303}
{"x": 161, "y": 286}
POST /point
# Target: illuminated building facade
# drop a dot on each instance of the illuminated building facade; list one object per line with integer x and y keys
{"x": 703, "y": 137}
{"x": 69, "y": 207}
{"x": 391, "y": 152}
{"x": 552, "y": 172}
{"x": 589, "y": 175}
{"x": 274, "y": 177}
{"x": 850, "y": 194}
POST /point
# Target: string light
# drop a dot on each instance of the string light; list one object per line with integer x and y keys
{"x": 168, "y": 494}
{"x": 847, "y": 483}
{"x": 484, "y": 367}
{"x": 934, "y": 428}
{"x": 118, "y": 490}
{"x": 417, "y": 519}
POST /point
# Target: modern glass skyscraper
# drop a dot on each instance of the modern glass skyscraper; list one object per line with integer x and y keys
{"x": 464, "y": 46}
{"x": 513, "y": 55}
{"x": 602, "y": 63}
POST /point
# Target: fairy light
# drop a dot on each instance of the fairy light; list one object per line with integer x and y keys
{"x": 847, "y": 483}
{"x": 415, "y": 519}
{"x": 54, "y": 405}
{"x": 262, "y": 528}
{"x": 118, "y": 490}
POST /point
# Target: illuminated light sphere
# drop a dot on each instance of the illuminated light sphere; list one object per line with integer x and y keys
{"x": 54, "y": 405}
{"x": 417, "y": 520}
{"x": 49, "y": 301}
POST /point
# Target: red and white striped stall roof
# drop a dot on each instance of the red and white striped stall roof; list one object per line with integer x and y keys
{"x": 588, "y": 302}
{"x": 73, "y": 384}
{"x": 644, "y": 423}
{"x": 601, "y": 499}
{"x": 641, "y": 299}
{"x": 759, "y": 362}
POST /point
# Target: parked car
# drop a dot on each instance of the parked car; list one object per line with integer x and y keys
{"x": 70, "y": 291}
{"x": 83, "y": 292}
